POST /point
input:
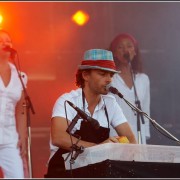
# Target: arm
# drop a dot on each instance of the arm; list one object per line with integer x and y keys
{"x": 125, "y": 130}
{"x": 61, "y": 138}
{"x": 120, "y": 123}
{"x": 21, "y": 125}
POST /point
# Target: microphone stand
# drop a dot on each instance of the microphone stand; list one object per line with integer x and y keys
{"x": 138, "y": 104}
{"x": 78, "y": 150}
{"x": 152, "y": 121}
{"x": 74, "y": 148}
{"x": 28, "y": 106}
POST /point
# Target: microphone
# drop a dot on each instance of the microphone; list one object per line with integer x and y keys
{"x": 73, "y": 123}
{"x": 127, "y": 57}
{"x": 9, "y": 49}
{"x": 113, "y": 90}
{"x": 12, "y": 51}
{"x": 83, "y": 115}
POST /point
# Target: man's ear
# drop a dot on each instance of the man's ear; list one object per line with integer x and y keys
{"x": 85, "y": 75}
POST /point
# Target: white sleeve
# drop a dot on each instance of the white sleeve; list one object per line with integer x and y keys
{"x": 118, "y": 116}
{"x": 61, "y": 108}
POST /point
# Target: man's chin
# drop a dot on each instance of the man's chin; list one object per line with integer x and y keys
{"x": 104, "y": 93}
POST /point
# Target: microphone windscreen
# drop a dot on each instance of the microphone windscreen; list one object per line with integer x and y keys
{"x": 113, "y": 90}
{"x": 9, "y": 49}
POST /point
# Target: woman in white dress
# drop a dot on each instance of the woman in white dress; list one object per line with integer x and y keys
{"x": 125, "y": 48}
{"x": 13, "y": 124}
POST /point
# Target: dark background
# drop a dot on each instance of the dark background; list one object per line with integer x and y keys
{"x": 50, "y": 46}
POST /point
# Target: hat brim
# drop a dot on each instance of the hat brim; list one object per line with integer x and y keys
{"x": 83, "y": 67}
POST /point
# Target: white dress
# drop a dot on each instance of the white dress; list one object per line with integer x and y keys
{"x": 10, "y": 159}
{"x": 142, "y": 84}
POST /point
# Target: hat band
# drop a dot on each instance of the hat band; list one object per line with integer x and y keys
{"x": 101, "y": 63}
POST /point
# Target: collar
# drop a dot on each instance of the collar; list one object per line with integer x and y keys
{"x": 100, "y": 105}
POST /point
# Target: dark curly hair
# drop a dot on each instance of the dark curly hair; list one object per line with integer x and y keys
{"x": 79, "y": 78}
{"x": 137, "y": 62}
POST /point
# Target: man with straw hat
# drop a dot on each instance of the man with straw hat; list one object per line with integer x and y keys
{"x": 91, "y": 99}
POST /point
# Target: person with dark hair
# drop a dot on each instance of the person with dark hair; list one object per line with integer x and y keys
{"x": 92, "y": 77}
{"x": 13, "y": 122}
{"x": 131, "y": 81}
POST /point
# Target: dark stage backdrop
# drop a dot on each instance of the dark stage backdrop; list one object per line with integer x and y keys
{"x": 51, "y": 46}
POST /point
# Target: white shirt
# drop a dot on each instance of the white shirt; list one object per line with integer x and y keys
{"x": 142, "y": 84}
{"x": 9, "y": 96}
{"x": 114, "y": 111}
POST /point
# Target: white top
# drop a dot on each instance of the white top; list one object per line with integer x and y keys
{"x": 142, "y": 84}
{"x": 9, "y": 96}
{"x": 115, "y": 113}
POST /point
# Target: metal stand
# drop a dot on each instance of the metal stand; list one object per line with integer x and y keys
{"x": 152, "y": 121}
{"x": 29, "y": 134}
{"x": 75, "y": 150}
{"x": 137, "y": 102}
{"x": 74, "y": 147}
{"x": 28, "y": 106}
{"x": 138, "y": 105}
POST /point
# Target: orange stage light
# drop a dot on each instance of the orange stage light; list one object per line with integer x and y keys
{"x": 1, "y": 18}
{"x": 80, "y": 18}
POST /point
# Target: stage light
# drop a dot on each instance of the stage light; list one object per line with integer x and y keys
{"x": 1, "y": 18}
{"x": 80, "y": 18}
